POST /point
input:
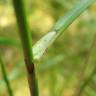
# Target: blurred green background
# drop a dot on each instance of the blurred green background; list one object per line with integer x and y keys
{"x": 58, "y": 69}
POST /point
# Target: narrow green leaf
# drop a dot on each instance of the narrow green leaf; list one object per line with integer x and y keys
{"x": 40, "y": 47}
{"x": 66, "y": 20}
{"x": 7, "y": 41}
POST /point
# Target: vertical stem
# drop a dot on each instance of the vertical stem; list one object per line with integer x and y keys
{"x": 5, "y": 77}
{"x": 27, "y": 44}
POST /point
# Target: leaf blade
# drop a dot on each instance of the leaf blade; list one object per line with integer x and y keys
{"x": 59, "y": 27}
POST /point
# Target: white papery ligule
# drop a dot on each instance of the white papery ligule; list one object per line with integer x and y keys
{"x": 40, "y": 47}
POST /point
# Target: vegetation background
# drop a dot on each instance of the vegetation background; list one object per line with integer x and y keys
{"x": 59, "y": 69}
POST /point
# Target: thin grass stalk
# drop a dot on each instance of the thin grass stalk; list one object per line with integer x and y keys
{"x": 26, "y": 40}
{"x": 82, "y": 71}
{"x": 14, "y": 74}
{"x": 10, "y": 92}
{"x": 86, "y": 82}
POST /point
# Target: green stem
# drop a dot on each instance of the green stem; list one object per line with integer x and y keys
{"x": 5, "y": 77}
{"x": 27, "y": 45}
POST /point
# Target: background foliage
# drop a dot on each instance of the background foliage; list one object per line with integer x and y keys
{"x": 59, "y": 68}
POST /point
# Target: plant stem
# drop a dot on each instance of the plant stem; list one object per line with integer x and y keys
{"x": 5, "y": 77}
{"x": 27, "y": 45}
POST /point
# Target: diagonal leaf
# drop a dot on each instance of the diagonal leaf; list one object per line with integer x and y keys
{"x": 40, "y": 47}
{"x": 14, "y": 74}
{"x": 4, "y": 74}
